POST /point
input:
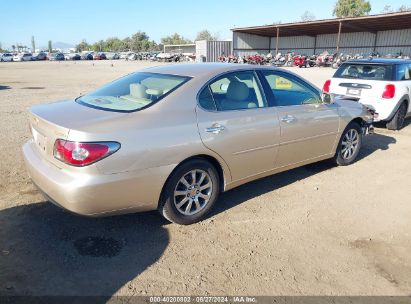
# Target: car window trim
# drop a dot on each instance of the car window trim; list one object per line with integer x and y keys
{"x": 186, "y": 79}
{"x": 291, "y": 77}
{"x": 217, "y": 77}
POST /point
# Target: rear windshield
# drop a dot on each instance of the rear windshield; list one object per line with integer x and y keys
{"x": 133, "y": 92}
{"x": 365, "y": 71}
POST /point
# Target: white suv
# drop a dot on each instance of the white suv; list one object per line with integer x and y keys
{"x": 383, "y": 85}
{"x": 23, "y": 57}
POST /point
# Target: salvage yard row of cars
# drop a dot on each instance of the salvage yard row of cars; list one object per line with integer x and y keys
{"x": 59, "y": 56}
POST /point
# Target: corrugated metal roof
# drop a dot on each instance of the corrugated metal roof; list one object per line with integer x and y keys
{"x": 373, "y": 23}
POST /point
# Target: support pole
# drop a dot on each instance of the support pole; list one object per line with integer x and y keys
{"x": 315, "y": 45}
{"x": 339, "y": 36}
{"x": 278, "y": 38}
{"x": 375, "y": 42}
{"x": 269, "y": 44}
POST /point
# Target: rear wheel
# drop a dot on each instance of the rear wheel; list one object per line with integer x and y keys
{"x": 190, "y": 192}
{"x": 397, "y": 122}
{"x": 349, "y": 145}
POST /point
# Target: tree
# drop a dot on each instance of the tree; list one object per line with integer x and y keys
{"x": 175, "y": 39}
{"x": 82, "y": 46}
{"x": 138, "y": 41}
{"x": 390, "y": 9}
{"x": 50, "y": 46}
{"x": 307, "y": 16}
{"x": 387, "y": 9}
{"x": 33, "y": 44}
{"x": 351, "y": 8}
{"x": 13, "y": 47}
{"x": 404, "y": 8}
{"x": 206, "y": 35}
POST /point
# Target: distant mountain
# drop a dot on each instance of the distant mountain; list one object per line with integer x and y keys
{"x": 60, "y": 45}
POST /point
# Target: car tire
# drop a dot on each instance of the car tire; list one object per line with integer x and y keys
{"x": 349, "y": 145}
{"x": 186, "y": 200}
{"x": 397, "y": 122}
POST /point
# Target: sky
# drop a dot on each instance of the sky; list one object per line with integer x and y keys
{"x": 72, "y": 21}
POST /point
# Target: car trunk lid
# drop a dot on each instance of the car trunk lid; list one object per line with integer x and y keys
{"x": 54, "y": 121}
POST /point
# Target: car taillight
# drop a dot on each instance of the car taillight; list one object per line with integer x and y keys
{"x": 389, "y": 91}
{"x": 326, "y": 87}
{"x": 83, "y": 154}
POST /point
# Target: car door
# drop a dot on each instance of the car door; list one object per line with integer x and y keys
{"x": 309, "y": 127}
{"x": 235, "y": 122}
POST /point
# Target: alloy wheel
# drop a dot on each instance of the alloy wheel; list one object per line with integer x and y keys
{"x": 193, "y": 192}
{"x": 350, "y": 143}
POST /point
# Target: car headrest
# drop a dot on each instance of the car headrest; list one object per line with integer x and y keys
{"x": 154, "y": 92}
{"x": 138, "y": 90}
{"x": 237, "y": 91}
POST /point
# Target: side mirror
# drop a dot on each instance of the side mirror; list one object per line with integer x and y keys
{"x": 327, "y": 98}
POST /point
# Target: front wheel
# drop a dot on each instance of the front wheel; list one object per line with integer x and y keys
{"x": 349, "y": 145}
{"x": 397, "y": 122}
{"x": 190, "y": 192}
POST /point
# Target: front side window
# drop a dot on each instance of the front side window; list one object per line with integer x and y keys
{"x": 288, "y": 91}
{"x": 133, "y": 92}
{"x": 233, "y": 91}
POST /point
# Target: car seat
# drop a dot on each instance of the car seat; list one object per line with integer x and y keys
{"x": 237, "y": 97}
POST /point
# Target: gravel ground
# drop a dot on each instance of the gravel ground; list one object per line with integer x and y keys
{"x": 316, "y": 230}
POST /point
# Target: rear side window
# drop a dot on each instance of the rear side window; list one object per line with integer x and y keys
{"x": 365, "y": 71}
{"x": 133, "y": 92}
{"x": 403, "y": 72}
{"x": 233, "y": 91}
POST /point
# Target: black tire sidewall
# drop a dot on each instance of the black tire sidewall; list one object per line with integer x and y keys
{"x": 167, "y": 207}
{"x": 394, "y": 124}
{"x": 338, "y": 157}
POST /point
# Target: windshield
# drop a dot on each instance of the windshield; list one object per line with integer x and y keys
{"x": 133, "y": 92}
{"x": 365, "y": 71}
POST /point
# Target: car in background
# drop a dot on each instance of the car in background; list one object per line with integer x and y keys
{"x": 6, "y": 57}
{"x": 72, "y": 56}
{"x": 56, "y": 57}
{"x": 124, "y": 55}
{"x": 87, "y": 55}
{"x": 99, "y": 56}
{"x": 134, "y": 56}
{"x": 40, "y": 56}
{"x": 383, "y": 85}
{"x": 23, "y": 57}
{"x": 112, "y": 56}
{"x": 174, "y": 137}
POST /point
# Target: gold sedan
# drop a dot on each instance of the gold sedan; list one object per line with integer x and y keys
{"x": 173, "y": 137}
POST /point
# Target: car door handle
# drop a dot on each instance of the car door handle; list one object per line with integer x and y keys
{"x": 215, "y": 129}
{"x": 288, "y": 119}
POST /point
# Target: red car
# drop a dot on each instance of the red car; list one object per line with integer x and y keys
{"x": 99, "y": 56}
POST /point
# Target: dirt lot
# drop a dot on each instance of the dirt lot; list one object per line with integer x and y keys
{"x": 316, "y": 230}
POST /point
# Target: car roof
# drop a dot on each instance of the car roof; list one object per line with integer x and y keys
{"x": 381, "y": 61}
{"x": 202, "y": 69}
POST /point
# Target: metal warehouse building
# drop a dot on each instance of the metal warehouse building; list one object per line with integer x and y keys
{"x": 210, "y": 51}
{"x": 385, "y": 34}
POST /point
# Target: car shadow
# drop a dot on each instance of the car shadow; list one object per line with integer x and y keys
{"x": 47, "y": 251}
{"x": 259, "y": 187}
{"x": 3, "y": 87}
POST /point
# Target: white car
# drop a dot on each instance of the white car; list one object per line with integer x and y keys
{"x": 6, "y": 57}
{"x": 23, "y": 57}
{"x": 383, "y": 85}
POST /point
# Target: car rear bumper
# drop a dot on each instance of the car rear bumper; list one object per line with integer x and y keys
{"x": 95, "y": 194}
